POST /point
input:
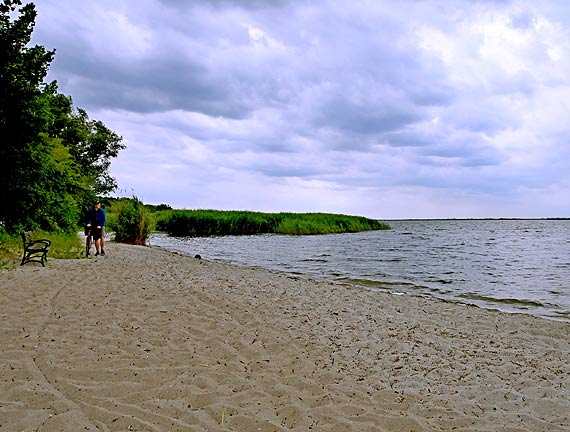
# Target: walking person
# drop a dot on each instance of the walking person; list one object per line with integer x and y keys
{"x": 95, "y": 227}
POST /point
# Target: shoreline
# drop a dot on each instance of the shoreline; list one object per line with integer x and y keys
{"x": 510, "y": 305}
{"x": 149, "y": 339}
{"x": 369, "y": 286}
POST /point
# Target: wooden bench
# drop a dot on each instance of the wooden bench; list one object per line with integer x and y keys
{"x": 34, "y": 250}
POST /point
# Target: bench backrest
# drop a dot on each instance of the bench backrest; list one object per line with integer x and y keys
{"x": 27, "y": 237}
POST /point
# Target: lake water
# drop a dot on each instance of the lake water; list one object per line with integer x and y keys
{"x": 511, "y": 265}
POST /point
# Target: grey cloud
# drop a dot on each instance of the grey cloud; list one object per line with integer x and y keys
{"x": 321, "y": 90}
{"x": 362, "y": 118}
{"x": 203, "y": 78}
{"x": 407, "y": 138}
{"x": 465, "y": 151}
{"x": 163, "y": 82}
{"x": 445, "y": 147}
{"x": 287, "y": 170}
{"x": 487, "y": 116}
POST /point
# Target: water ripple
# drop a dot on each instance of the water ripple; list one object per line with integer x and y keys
{"x": 512, "y": 265}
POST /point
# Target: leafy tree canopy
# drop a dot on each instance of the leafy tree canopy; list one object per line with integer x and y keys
{"x": 54, "y": 159}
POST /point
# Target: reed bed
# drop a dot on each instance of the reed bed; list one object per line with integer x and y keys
{"x": 217, "y": 222}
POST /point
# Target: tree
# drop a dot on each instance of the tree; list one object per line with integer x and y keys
{"x": 22, "y": 153}
{"x": 92, "y": 145}
{"x": 53, "y": 158}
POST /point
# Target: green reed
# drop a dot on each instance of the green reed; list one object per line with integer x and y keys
{"x": 217, "y": 222}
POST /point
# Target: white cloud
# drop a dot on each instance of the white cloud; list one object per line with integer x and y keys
{"x": 383, "y": 108}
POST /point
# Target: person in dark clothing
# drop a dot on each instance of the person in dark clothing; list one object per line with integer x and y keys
{"x": 95, "y": 227}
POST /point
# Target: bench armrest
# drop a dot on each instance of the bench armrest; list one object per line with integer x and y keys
{"x": 45, "y": 242}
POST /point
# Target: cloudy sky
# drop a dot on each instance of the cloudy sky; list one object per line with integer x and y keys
{"x": 382, "y": 108}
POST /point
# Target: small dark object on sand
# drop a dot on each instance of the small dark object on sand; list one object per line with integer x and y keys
{"x": 197, "y": 256}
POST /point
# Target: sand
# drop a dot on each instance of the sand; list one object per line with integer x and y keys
{"x": 147, "y": 340}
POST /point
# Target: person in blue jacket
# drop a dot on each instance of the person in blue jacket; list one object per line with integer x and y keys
{"x": 95, "y": 227}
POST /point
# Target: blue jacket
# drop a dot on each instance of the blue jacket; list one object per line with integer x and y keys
{"x": 96, "y": 218}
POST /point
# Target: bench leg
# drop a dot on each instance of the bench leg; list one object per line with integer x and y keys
{"x": 34, "y": 257}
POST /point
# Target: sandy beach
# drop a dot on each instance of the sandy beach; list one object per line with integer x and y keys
{"x": 148, "y": 340}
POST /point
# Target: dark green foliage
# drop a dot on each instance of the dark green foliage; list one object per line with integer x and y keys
{"x": 53, "y": 159}
{"x": 131, "y": 221}
{"x": 213, "y": 222}
{"x": 92, "y": 146}
{"x": 23, "y": 152}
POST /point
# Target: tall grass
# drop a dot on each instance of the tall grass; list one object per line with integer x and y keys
{"x": 215, "y": 222}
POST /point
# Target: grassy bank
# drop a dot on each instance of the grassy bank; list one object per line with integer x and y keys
{"x": 62, "y": 246}
{"x": 215, "y": 222}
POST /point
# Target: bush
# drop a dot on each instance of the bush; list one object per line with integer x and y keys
{"x": 132, "y": 222}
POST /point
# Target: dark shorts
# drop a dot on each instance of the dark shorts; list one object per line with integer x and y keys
{"x": 96, "y": 233}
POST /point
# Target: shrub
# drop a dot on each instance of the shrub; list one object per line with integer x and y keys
{"x": 132, "y": 222}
